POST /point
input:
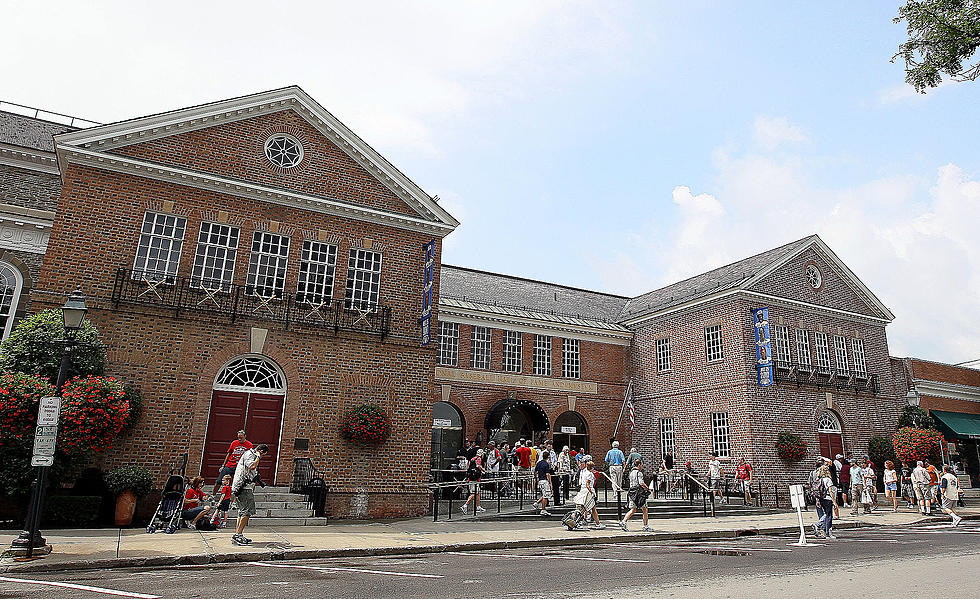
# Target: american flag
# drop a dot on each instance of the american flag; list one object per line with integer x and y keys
{"x": 629, "y": 406}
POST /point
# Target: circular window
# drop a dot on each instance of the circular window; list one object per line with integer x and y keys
{"x": 283, "y": 150}
{"x": 813, "y": 276}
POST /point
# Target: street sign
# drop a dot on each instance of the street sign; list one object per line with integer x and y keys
{"x": 442, "y": 422}
{"x": 42, "y": 460}
{"x": 796, "y": 496}
{"x": 44, "y": 446}
{"x": 47, "y": 414}
{"x": 569, "y": 430}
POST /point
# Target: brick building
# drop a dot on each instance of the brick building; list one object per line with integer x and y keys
{"x": 951, "y": 395}
{"x": 252, "y": 262}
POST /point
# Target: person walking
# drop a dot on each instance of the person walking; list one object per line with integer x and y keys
{"x": 631, "y": 460}
{"x": 715, "y": 475}
{"x": 585, "y": 499}
{"x": 890, "y": 478}
{"x": 564, "y": 474}
{"x": 824, "y": 494}
{"x": 857, "y": 488}
{"x": 908, "y": 491}
{"x": 933, "y": 482}
{"x": 234, "y": 453}
{"x": 493, "y": 459}
{"x": 816, "y": 489}
{"x": 844, "y": 477}
{"x": 615, "y": 461}
{"x": 637, "y": 497}
{"x": 950, "y": 487}
{"x": 743, "y": 473}
{"x": 870, "y": 485}
{"x": 474, "y": 472}
{"x": 543, "y": 472}
{"x": 243, "y": 488}
{"x": 920, "y": 482}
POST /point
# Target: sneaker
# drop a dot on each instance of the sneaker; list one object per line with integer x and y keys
{"x": 646, "y": 529}
{"x": 956, "y": 520}
{"x": 599, "y": 526}
{"x": 831, "y": 537}
{"x": 481, "y": 508}
{"x": 191, "y": 526}
{"x": 622, "y": 524}
{"x": 545, "y": 513}
{"x": 238, "y": 540}
{"x": 816, "y": 531}
{"x": 462, "y": 508}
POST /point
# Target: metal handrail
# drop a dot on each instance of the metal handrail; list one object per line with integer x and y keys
{"x": 72, "y": 120}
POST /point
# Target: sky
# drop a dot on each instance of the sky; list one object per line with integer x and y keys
{"x": 616, "y": 146}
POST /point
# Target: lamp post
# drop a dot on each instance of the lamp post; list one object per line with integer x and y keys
{"x": 73, "y": 314}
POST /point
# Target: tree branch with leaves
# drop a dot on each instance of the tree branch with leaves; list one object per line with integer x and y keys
{"x": 943, "y": 37}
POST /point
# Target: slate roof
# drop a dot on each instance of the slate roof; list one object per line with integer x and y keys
{"x": 29, "y": 132}
{"x": 719, "y": 279}
{"x": 527, "y": 295}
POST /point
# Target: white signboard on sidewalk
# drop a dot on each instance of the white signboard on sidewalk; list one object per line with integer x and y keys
{"x": 46, "y": 434}
{"x": 796, "y": 496}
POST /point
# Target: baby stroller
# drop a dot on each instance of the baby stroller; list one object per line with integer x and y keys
{"x": 581, "y": 513}
{"x": 167, "y": 515}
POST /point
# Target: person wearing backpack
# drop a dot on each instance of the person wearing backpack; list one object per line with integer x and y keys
{"x": 813, "y": 485}
{"x": 823, "y": 492}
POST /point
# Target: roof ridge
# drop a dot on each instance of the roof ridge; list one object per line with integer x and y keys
{"x": 517, "y": 278}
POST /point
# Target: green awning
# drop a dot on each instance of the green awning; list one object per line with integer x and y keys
{"x": 957, "y": 424}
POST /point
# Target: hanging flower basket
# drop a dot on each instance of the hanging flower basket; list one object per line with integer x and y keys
{"x": 367, "y": 423}
{"x": 790, "y": 447}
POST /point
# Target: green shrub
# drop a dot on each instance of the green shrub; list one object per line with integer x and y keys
{"x": 134, "y": 478}
{"x": 74, "y": 511}
{"x": 915, "y": 417}
{"x": 33, "y": 347}
{"x": 881, "y": 449}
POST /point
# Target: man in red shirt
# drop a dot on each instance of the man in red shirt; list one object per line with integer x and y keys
{"x": 523, "y": 453}
{"x": 193, "y": 510}
{"x": 235, "y": 451}
{"x": 744, "y": 475}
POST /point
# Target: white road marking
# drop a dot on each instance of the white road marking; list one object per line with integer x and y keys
{"x": 80, "y": 587}
{"x": 550, "y": 556}
{"x": 695, "y": 547}
{"x": 360, "y": 570}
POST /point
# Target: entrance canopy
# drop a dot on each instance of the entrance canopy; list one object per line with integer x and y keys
{"x": 957, "y": 424}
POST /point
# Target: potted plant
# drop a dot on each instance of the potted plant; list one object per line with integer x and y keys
{"x": 790, "y": 447}
{"x": 128, "y": 483}
{"x": 366, "y": 424}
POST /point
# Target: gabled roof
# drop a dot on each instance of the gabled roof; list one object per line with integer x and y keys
{"x": 527, "y": 296}
{"x": 29, "y": 132}
{"x": 90, "y": 146}
{"x": 742, "y": 275}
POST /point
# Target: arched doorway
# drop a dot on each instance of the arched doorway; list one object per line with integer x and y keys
{"x": 447, "y": 437}
{"x": 510, "y": 420}
{"x": 830, "y": 435}
{"x": 11, "y": 284}
{"x": 571, "y": 430}
{"x": 249, "y": 393}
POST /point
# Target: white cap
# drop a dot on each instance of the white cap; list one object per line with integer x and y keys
{"x": 615, "y": 443}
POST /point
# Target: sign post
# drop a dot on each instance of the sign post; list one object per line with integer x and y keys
{"x": 796, "y": 498}
{"x": 30, "y": 540}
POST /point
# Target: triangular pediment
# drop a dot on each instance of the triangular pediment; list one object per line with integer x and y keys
{"x": 221, "y": 145}
{"x": 813, "y": 274}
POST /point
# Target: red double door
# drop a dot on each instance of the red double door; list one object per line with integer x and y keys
{"x": 831, "y": 444}
{"x": 260, "y": 416}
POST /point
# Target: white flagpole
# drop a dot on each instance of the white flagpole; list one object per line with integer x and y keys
{"x": 629, "y": 390}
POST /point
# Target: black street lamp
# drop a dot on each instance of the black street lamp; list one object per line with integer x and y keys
{"x": 73, "y": 313}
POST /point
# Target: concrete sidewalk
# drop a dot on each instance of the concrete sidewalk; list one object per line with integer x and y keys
{"x": 112, "y": 548}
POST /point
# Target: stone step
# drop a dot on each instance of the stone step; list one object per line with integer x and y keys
{"x": 272, "y": 490}
{"x": 268, "y": 504}
{"x": 286, "y": 521}
{"x": 260, "y": 496}
{"x": 304, "y": 513}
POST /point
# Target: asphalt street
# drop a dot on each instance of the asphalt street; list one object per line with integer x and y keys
{"x": 870, "y": 562}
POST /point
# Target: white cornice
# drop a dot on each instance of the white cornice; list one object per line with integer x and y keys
{"x": 30, "y": 159}
{"x": 116, "y": 135}
{"x": 159, "y": 172}
{"x": 533, "y": 326}
{"x": 854, "y": 316}
{"x": 946, "y": 390}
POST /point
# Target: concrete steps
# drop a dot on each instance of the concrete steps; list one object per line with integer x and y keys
{"x": 659, "y": 509}
{"x": 277, "y": 506}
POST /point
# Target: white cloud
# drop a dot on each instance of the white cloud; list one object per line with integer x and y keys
{"x": 903, "y": 92}
{"x": 770, "y": 132}
{"x": 911, "y": 238}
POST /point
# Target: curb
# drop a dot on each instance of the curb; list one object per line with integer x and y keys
{"x": 201, "y": 559}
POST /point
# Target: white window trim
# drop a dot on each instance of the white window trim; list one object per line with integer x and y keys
{"x": 663, "y": 355}
{"x": 709, "y": 331}
{"x": 513, "y": 353}
{"x": 567, "y": 361}
{"x": 487, "y": 347}
{"x": 805, "y": 359}
{"x": 780, "y": 336}
{"x": 860, "y": 359}
{"x": 15, "y": 298}
{"x": 234, "y": 261}
{"x": 327, "y": 291}
{"x": 143, "y": 271}
{"x": 721, "y": 447}
{"x": 299, "y": 146}
{"x": 840, "y": 356}
{"x": 443, "y": 349}
{"x": 667, "y": 432}
{"x": 545, "y": 347}
{"x": 822, "y": 351}
{"x": 348, "y": 290}
{"x": 252, "y": 276}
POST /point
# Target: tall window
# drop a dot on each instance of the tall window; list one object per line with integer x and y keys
{"x": 570, "y": 359}
{"x": 448, "y": 343}
{"x": 781, "y": 336}
{"x": 666, "y": 437}
{"x": 803, "y": 349}
{"x": 11, "y": 284}
{"x": 363, "y": 279}
{"x": 840, "y": 356}
{"x": 823, "y": 351}
{"x": 513, "y": 351}
{"x": 214, "y": 262}
{"x": 663, "y": 355}
{"x": 158, "y": 252}
{"x": 719, "y": 434}
{"x": 317, "y": 267}
{"x": 267, "y": 265}
{"x": 542, "y": 355}
{"x": 480, "y": 347}
{"x": 857, "y": 349}
{"x": 712, "y": 343}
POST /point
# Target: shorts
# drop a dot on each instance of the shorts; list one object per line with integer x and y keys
{"x": 191, "y": 513}
{"x": 947, "y": 502}
{"x": 224, "y": 505}
{"x": 715, "y": 484}
{"x": 474, "y": 487}
{"x": 891, "y": 486}
{"x": 934, "y": 490}
{"x": 230, "y": 470}
{"x": 585, "y": 499}
{"x": 545, "y": 487}
{"x": 743, "y": 485}
{"x": 245, "y": 502}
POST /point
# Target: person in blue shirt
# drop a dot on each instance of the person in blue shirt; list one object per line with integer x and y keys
{"x": 615, "y": 460}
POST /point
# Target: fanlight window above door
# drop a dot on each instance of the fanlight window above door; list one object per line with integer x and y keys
{"x": 828, "y": 423}
{"x": 251, "y": 374}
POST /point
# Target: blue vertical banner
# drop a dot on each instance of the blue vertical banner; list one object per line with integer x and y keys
{"x": 428, "y": 274}
{"x": 763, "y": 345}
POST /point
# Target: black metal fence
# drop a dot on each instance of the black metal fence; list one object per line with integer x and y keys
{"x": 182, "y": 293}
{"x": 309, "y": 481}
{"x": 506, "y": 489}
